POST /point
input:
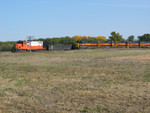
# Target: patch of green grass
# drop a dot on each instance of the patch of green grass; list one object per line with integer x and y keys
{"x": 85, "y": 110}
{"x": 97, "y": 109}
{"x": 109, "y": 83}
{"x": 28, "y": 68}
{"x": 24, "y": 93}
{"x": 93, "y": 47}
{"x": 21, "y": 82}
{"x": 6, "y": 76}
{"x": 2, "y": 93}
{"x": 100, "y": 108}
{"x": 145, "y": 75}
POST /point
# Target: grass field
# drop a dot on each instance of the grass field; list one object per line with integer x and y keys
{"x": 93, "y": 81}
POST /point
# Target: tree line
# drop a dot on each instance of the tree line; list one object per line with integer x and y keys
{"x": 6, "y": 46}
{"x": 117, "y": 37}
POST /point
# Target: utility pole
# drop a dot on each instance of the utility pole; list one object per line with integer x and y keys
{"x": 30, "y": 38}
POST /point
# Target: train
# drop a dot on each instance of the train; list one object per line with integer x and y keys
{"x": 38, "y": 45}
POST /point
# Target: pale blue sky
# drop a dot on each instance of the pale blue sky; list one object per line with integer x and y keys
{"x": 56, "y": 18}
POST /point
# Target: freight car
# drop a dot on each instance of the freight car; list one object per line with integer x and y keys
{"x": 112, "y": 44}
{"x": 59, "y": 47}
{"x": 145, "y": 44}
{"x": 28, "y": 45}
{"x": 94, "y": 43}
{"x": 87, "y": 44}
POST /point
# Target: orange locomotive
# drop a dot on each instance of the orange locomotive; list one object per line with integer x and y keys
{"x": 27, "y": 46}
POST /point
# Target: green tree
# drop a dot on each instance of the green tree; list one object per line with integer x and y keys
{"x": 6, "y": 46}
{"x": 116, "y": 37}
{"x": 46, "y": 41}
{"x": 145, "y": 37}
{"x": 131, "y": 38}
{"x": 1, "y": 46}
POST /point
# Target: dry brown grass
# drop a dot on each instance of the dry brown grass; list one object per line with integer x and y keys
{"x": 145, "y": 57}
{"x": 94, "y": 81}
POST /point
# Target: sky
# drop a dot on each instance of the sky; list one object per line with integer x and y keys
{"x": 58, "y": 18}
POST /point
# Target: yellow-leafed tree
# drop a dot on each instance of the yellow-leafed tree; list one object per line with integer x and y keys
{"x": 85, "y": 37}
{"x": 78, "y": 37}
{"x": 101, "y": 38}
